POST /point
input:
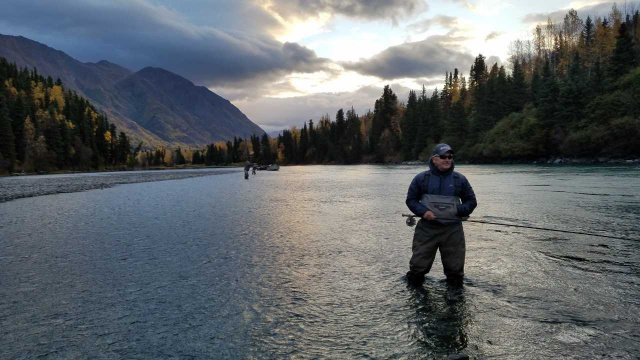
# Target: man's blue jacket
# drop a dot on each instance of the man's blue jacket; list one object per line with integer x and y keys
{"x": 435, "y": 182}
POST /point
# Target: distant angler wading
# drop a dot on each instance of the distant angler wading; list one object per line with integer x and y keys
{"x": 247, "y": 167}
{"x": 441, "y": 197}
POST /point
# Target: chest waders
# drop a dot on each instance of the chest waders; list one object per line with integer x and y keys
{"x": 445, "y": 233}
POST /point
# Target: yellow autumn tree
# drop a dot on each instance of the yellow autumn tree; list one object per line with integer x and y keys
{"x": 93, "y": 116}
{"x": 57, "y": 93}
{"x": 273, "y": 145}
{"x": 38, "y": 93}
{"x": 615, "y": 19}
{"x": 605, "y": 40}
{"x": 295, "y": 133}
{"x": 188, "y": 155}
{"x": 168, "y": 158}
{"x": 221, "y": 145}
{"x": 28, "y": 135}
{"x": 280, "y": 158}
{"x": 42, "y": 117}
{"x": 11, "y": 90}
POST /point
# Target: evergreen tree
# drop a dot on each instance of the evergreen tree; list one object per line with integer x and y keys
{"x": 624, "y": 57}
{"x": 423, "y": 124}
{"x": 355, "y": 137}
{"x": 209, "y": 155}
{"x": 66, "y": 138}
{"x": 54, "y": 139}
{"x": 457, "y": 127}
{"x": 235, "y": 150}
{"x": 340, "y": 128}
{"x": 492, "y": 98}
{"x": 255, "y": 143}
{"x": 384, "y": 111}
{"x": 266, "y": 149}
{"x": 481, "y": 119}
{"x": 596, "y": 79}
{"x": 409, "y": 126}
{"x": 102, "y": 147}
{"x": 7, "y": 141}
{"x": 18, "y": 115}
{"x": 435, "y": 117}
{"x": 547, "y": 96}
{"x": 588, "y": 39}
{"x": 113, "y": 145}
{"x": 313, "y": 142}
{"x": 572, "y": 94}
{"x": 196, "y": 159}
{"x": 286, "y": 140}
{"x": 124, "y": 148}
{"x": 304, "y": 144}
{"x": 518, "y": 95}
{"x": 179, "y": 157}
{"x": 326, "y": 150}
{"x": 503, "y": 90}
{"x": 229, "y": 156}
{"x": 445, "y": 100}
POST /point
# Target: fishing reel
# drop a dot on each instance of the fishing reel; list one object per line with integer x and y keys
{"x": 411, "y": 220}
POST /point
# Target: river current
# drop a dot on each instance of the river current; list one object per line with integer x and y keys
{"x": 309, "y": 262}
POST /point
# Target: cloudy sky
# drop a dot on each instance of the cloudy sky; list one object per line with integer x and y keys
{"x": 283, "y": 62}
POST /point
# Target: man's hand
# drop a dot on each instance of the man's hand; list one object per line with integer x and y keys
{"x": 429, "y": 216}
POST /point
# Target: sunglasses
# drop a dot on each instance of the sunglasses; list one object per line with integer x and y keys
{"x": 443, "y": 157}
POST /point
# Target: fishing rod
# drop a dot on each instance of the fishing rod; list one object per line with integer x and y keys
{"x": 411, "y": 221}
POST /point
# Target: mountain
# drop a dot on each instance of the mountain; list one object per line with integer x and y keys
{"x": 152, "y": 105}
{"x": 178, "y": 111}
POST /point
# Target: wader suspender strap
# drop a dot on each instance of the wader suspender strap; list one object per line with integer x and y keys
{"x": 457, "y": 183}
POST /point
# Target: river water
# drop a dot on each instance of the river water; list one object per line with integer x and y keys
{"x": 309, "y": 262}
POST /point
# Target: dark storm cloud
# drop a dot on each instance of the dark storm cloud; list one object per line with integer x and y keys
{"x": 427, "y": 58}
{"x": 558, "y": 16}
{"x": 137, "y": 33}
{"x": 366, "y": 9}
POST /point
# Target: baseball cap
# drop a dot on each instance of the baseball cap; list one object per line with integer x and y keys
{"x": 441, "y": 149}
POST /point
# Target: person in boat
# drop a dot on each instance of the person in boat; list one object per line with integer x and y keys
{"x": 247, "y": 166}
{"x": 441, "y": 197}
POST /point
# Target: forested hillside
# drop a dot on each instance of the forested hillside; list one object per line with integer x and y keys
{"x": 573, "y": 90}
{"x": 152, "y": 105}
{"x": 44, "y": 127}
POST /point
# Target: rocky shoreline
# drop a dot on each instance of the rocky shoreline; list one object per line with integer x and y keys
{"x": 549, "y": 161}
{"x": 599, "y": 160}
{"x": 12, "y": 188}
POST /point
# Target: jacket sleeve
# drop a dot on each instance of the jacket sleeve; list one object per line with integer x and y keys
{"x": 413, "y": 196}
{"x": 468, "y": 198}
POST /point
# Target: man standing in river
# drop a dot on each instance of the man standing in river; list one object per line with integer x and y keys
{"x": 441, "y": 197}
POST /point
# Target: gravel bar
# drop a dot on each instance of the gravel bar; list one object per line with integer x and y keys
{"x": 17, "y": 187}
